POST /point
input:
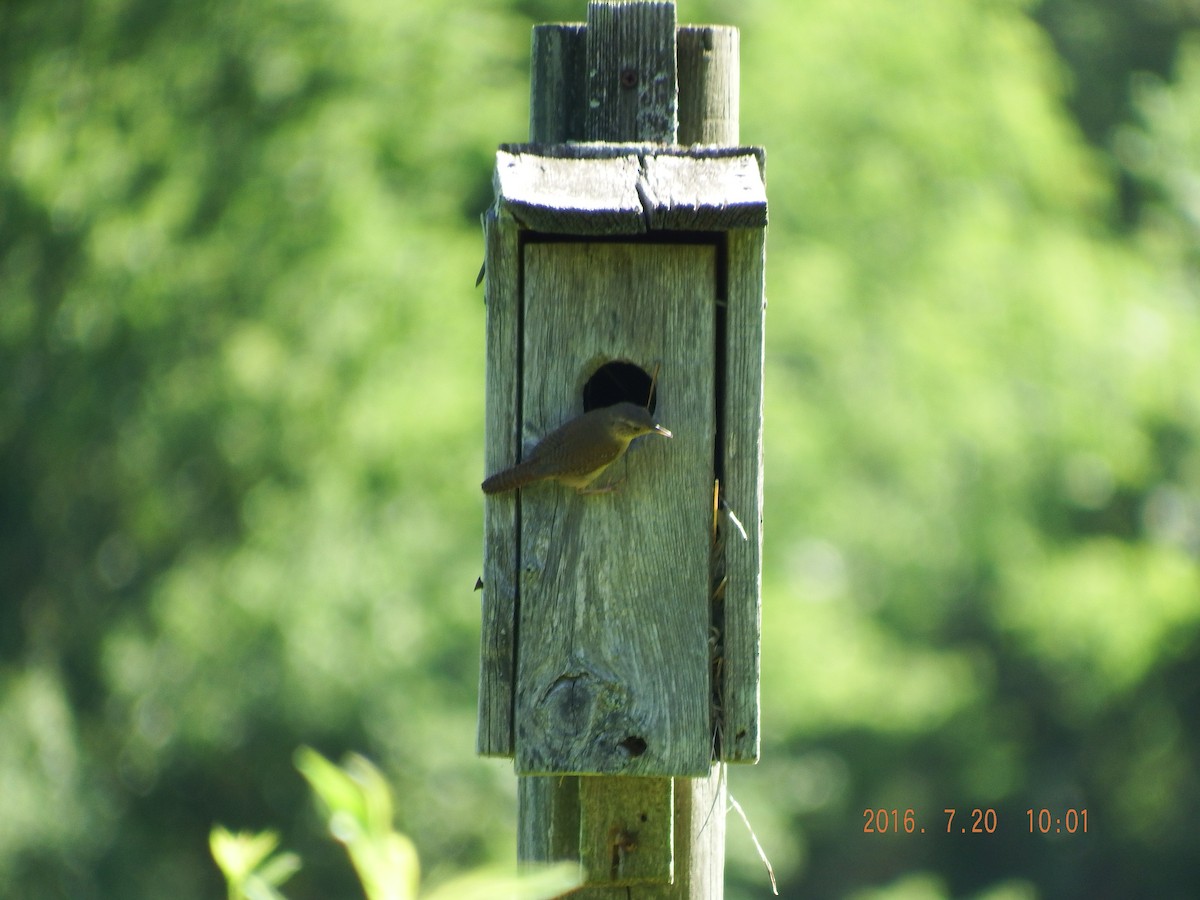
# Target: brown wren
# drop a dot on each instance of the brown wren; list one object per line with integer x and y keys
{"x": 577, "y": 452}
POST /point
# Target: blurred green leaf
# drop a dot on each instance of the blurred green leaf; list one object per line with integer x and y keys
{"x": 358, "y": 807}
{"x": 535, "y": 883}
{"x": 250, "y": 869}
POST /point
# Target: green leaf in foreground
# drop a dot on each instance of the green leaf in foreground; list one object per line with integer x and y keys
{"x": 245, "y": 859}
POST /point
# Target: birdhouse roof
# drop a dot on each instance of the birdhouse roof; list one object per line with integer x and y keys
{"x": 607, "y": 189}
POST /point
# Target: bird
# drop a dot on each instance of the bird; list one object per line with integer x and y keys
{"x": 577, "y": 452}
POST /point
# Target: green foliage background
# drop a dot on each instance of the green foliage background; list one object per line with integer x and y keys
{"x": 241, "y": 430}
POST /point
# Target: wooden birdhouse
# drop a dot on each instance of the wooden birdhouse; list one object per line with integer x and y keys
{"x": 624, "y": 263}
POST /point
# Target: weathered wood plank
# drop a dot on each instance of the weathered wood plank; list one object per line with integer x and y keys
{"x": 613, "y": 670}
{"x": 700, "y": 805}
{"x": 627, "y": 829}
{"x": 579, "y": 818}
{"x": 558, "y": 83}
{"x": 630, "y": 192}
{"x": 743, "y": 491}
{"x": 708, "y": 84}
{"x": 502, "y": 442}
{"x": 603, "y": 150}
{"x": 685, "y": 193}
{"x": 548, "y": 818}
{"x": 569, "y": 197}
{"x": 707, "y": 66}
{"x": 631, "y": 61}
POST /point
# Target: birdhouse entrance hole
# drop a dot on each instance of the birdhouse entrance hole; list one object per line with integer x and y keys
{"x": 619, "y": 382}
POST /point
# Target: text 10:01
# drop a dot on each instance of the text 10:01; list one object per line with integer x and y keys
{"x": 1071, "y": 821}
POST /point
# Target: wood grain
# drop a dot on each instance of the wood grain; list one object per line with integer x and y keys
{"x": 497, "y": 652}
{"x": 614, "y": 611}
{"x": 742, "y": 490}
{"x": 632, "y": 72}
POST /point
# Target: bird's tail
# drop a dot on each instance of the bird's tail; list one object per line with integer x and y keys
{"x": 510, "y": 479}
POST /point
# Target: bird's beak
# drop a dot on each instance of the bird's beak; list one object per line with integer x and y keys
{"x": 658, "y": 429}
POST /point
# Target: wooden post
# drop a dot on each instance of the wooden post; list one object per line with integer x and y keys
{"x": 620, "y": 631}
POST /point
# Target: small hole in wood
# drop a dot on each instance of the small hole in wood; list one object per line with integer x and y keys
{"x": 619, "y": 382}
{"x": 629, "y": 78}
{"x": 633, "y": 745}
